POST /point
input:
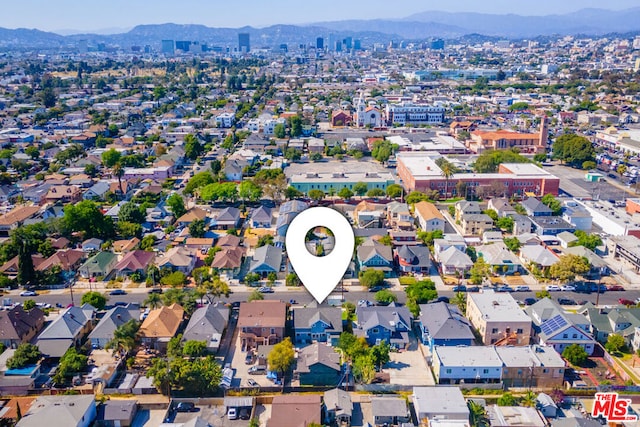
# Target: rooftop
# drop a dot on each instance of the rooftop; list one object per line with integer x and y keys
{"x": 498, "y": 307}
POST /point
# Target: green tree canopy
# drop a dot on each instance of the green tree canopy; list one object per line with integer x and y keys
{"x": 26, "y": 354}
{"x": 176, "y": 203}
{"x": 248, "y": 190}
{"x": 394, "y": 190}
{"x": 575, "y": 354}
{"x": 385, "y": 296}
{"x": 96, "y": 299}
{"x": 199, "y": 180}
{"x": 281, "y": 357}
{"x": 86, "y": 217}
{"x": 371, "y": 278}
{"x": 573, "y": 149}
{"x": 552, "y": 203}
{"x": 360, "y": 188}
{"x": 197, "y": 228}
{"x": 111, "y": 157}
{"x": 131, "y": 212}
{"x": 192, "y": 147}
{"x": 615, "y": 343}
{"x": 568, "y": 266}
{"x": 489, "y": 161}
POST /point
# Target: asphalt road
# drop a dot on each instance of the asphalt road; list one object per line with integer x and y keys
{"x": 302, "y": 297}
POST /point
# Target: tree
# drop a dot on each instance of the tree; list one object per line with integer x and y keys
{"x": 420, "y": 293}
{"x": 281, "y": 357}
{"x": 215, "y": 288}
{"x": 360, "y": 188}
{"x": 265, "y": 239}
{"x": 315, "y": 157}
{"x": 540, "y": 157}
{"x": 543, "y": 294}
{"x": 48, "y": 97}
{"x": 489, "y": 161}
{"x": 615, "y": 343}
{"x": 292, "y": 193}
{"x": 248, "y": 190}
{"x": 174, "y": 279}
{"x": 477, "y": 414}
{"x": 196, "y": 228}
{"x": 71, "y": 364}
{"x": 111, "y": 157}
{"x": 573, "y": 149}
{"x": 479, "y": 271}
{"x": 428, "y": 237}
{"x": 199, "y": 180}
{"x": 292, "y": 279}
{"x": 530, "y": 399}
{"x": 371, "y": 278}
{"x": 552, "y": 203}
{"x": 316, "y": 194}
{"x": 192, "y": 147}
{"x": 345, "y": 193}
{"x": 295, "y": 124}
{"x": 95, "y": 299}
{"x": 394, "y": 190}
{"x": 127, "y": 230}
{"x": 28, "y": 304}
{"x": 507, "y": 399}
{"x": 86, "y": 217}
{"x": 279, "y": 131}
{"x": 415, "y": 197}
{"x": 385, "y": 297}
{"x": 198, "y": 377}
{"x": 118, "y": 171}
{"x": 124, "y": 337}
{"x": 216, "y": 166}
{"x": 447, "y": 169}
{"x": 153, "y": 301}
{"x": 575, "y": 354}
{"x": 568, "y": 266}
{"x": 26, "y": 354}
{"x": 26, "y": 270}
{"x": 375, "y": 192}
{"x": 176, "y": 203}
{"x": 505, "y": 223}
{"x": 147, "y": 242}
{"x": 512, "y": 243}
{"x": 460, "y": 300}
{"x": 380, "y": 353}
{"x": 193, "y": 348}
{"x": 382, "y": 150}
{"x": 159, "y": 92}
{"x": 131, "y": 212}
{"x": 255, "y": 296}
{"x": 225, "y": 191}
{"x": 589, "y": 241}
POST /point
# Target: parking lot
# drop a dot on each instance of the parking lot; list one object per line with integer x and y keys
{"x": 409, "y": 367}
{"x": 215, "y": 415}
{"x": 241, "y": 369}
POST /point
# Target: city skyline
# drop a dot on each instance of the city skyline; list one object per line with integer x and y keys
{"x": 109, "y": 17}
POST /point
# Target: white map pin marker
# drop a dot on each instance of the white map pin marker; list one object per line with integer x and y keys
{"x": 320, "y": 274}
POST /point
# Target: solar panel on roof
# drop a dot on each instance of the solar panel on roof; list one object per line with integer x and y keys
{"x": 554, "y": 324}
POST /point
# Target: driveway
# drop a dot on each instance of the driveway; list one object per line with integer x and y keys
{"x": 409, "y": 367}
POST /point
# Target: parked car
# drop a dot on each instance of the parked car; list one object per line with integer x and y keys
{"x": 504, "y": 288}
{"x": 460, "y": 288}
{"x": 530, "y": 301}
{"x": 155, "y": 291}
{"x": 615, "y": 288}
{"x": 521, "y": 288}
{"x": 293, "y": 302}
{"x": 244, "y": 412}
{"x": 553, "y": 288}
{"x": 376, "y": 288}
{"x": 265, "y": 290}
{"x": 232, "y": 413}
{"x": 186, "y": 407}
{"x": 257, "y": 370}
{"x": 473, "y": 289}
{"x": 566, "y": 301}
{"x": 252, "y": 382}
{"x": 28, "y": 294}
{"x": 117, "y": 292}
{"x": 568, "y": 288}
{"x": 442, "y": 299}
{"x": 625, "y": 301}
{"x": 364, "y": 303}
{"x": 249, "y": 358}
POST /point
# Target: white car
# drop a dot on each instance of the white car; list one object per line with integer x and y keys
{"x": 232, "y": 413}
{"x": 28, "y": 294}
{"x": 568, "y": 288}
{"x": 364, "y": 303}
{"x": 553, "y": 288}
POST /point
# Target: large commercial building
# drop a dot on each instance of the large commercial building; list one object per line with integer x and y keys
{"x": 506, "y": 139}
{"x": 408, "y": 113}
{"x": 419, "y": 172}
{"x": 337, "y": 181}
{"x": 244, "y": 44}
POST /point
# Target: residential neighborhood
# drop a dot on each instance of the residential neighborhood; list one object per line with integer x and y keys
{"x": 148, "y": 182}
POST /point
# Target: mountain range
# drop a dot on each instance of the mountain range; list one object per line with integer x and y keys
{"x": 421, "y": 26}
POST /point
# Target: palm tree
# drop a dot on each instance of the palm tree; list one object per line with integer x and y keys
{"x": 447, "y": 170}
{"x": 477, "y": 414}
{"x": 461, "y": 301}
{"x": 153, "y": 301}
{"x": 124, "y": 338}
{"x": 118, "y": 171}
{"x": 530, "y": 399}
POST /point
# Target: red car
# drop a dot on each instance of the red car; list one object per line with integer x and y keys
{"x": 615, "y": 288}
{"x": 625, "y": 301}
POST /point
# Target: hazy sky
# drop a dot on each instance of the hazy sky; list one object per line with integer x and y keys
{"x": 96, "y": 15}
